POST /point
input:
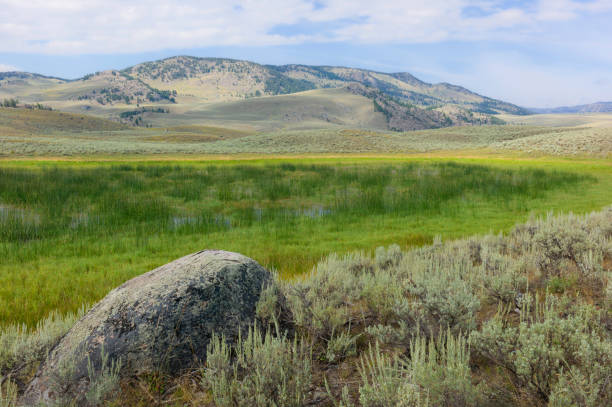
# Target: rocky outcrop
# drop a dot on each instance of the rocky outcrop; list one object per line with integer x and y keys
{"x": 160, "y": 321}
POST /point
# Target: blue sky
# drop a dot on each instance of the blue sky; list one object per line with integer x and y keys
{"x": 533, "y": 53}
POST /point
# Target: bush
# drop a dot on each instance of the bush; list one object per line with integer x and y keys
{"x": 320, "y": 304}
{"x": 443, "y": 294}
{"x": 341, "y": 346}
{"x": 10, "y": 103}
{"x": 441, "y": 368}
{"x": 385, "y": 382}
{"x": 260, "y": 370}
{"x": 8, "y": 392}
{"x": 436, "y": 374}
{"x": 21, "y": 349}
{"x": 557, "y": 352}
{"x": 103, "y": 382}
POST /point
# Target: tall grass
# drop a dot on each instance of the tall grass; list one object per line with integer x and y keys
{"x": 92, "y": 214}
{"x": 178, "y": 199}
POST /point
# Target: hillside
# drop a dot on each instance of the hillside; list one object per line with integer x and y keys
{"x": 209, "y": 91}
{"x": 215, "y": 78}
{"x": 318, "y": 108}
{"x": 402, "y": 116}
{"x": 26, "y": 85}
{"x": 107, "y": 88}
{"x": 33, "y": 121}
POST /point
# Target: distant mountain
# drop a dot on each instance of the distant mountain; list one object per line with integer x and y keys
{"x": 196, "y": 88}
{"x": 599, "y": 107}
{"x": 216, "y": 78}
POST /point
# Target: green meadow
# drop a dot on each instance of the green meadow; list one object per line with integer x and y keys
{"x": 71, "y": 231}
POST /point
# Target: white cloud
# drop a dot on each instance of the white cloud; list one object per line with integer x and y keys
{"x": 73, "y": 27}
{"x": 112, "y": 26}
{"x": 8, "y": 68}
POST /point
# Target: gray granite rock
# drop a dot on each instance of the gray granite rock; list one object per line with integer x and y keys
{"x": 159, "y": 321}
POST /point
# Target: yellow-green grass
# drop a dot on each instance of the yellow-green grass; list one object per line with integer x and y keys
{"x": 196, "y": 140}
{"x": 27, "y": 121}
{"x": 64, "y": 270}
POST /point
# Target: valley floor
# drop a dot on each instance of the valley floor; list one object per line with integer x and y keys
{"x": 73, "y": 229}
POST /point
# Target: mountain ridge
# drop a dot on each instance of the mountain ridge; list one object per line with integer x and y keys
{"x": 191, "y": 84}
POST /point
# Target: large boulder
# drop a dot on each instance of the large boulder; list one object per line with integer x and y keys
{"x": 160, "y": 321}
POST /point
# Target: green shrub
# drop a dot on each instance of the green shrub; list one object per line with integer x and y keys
{"x": 340, "y": 346}
{"x": 444, "y": 296}
{"x": 385, "y": 382}
{"x": 8, "y": 392}
{"x": 559, "y": 285}
{"x": 103, "y": 382}
{"x": 557, "y": 351}
{"x": 260, "y": 370}
{"x": 436, "y": 374}
{"x": 441, "y": 368}
{"x": 320, "y": 303}
{"x": 21, "y": 349}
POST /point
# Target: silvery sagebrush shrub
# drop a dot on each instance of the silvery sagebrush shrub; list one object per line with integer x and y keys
{"x": 21, "y": 348}
{"x": 554, "y": 244}
{"x": 103, "y": 382}
{"x": 271, "y": 304}
{"x": 385, "y": 294}
{"x": 503, "y": 277}
{"x": 397, "y": 334}
{"x": 437, "y": 374}
{"x": 386, "y": 383}
{"x": 388, "y": 257}
{"x": 558, "y": 351}
{"x": 569, "y": 238}
{"x": 341, "y": 346}
{"x": 441, "y": 367}
{"x": 443, "y": 295}
{"x": 8, "y": 392}
{"x": 320, "y": 303}
{"x": 61, "y": 382}
{"x": 260, "y": 370}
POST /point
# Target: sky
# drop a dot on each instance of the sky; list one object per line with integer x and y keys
{"x": 539, "y": 53}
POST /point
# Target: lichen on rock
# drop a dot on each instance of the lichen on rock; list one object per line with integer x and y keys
{"x": 161, "y": 321}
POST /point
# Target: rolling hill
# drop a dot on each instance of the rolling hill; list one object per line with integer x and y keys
{"x": 226, "y": 78}
{"x": 26, "y": 85}
{"x": 214, "y": 91}
{"x": 35, "y": 121}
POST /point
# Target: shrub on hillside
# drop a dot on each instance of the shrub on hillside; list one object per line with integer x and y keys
{"x": 558, "y": 352}
{"x": 437, "y": 374}
{"x": 8, "y": 392}
{"x": 260, "y": 370}
{"x": 21, "y": 349}
{"x": 321, "y": 304}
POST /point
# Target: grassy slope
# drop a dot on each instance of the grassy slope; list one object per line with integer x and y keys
{"x": 242, "y": 130}
{"x": 25, "y": 121}
{"x": 63, "y": 273}
{"x": 312, "y": 109}
{"x": 27, "y": 87}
